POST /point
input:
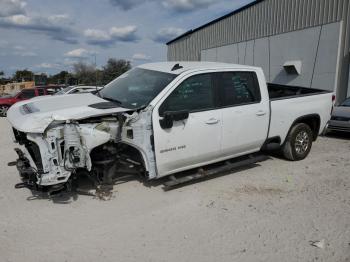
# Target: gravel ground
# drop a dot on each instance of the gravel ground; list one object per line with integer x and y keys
{"x": 270, "y": 212}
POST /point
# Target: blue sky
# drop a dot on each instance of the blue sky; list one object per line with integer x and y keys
{"x": 49, "y": 36}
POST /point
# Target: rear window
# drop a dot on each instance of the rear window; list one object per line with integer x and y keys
{"x": 237, "y": 88}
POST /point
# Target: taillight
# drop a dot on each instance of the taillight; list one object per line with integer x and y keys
{"x": 333, "y": 102}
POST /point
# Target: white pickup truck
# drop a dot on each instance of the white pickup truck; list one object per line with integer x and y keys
{"x": 161, "y": 119}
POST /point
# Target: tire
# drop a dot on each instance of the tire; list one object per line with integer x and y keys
{"x": 298, "y": 142}
{"x": 3, "y": 110}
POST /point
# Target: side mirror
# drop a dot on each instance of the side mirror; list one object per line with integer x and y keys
{"x": 171, "y": 116}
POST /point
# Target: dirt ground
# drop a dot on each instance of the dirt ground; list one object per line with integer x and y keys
{"x": 270, "y": 212}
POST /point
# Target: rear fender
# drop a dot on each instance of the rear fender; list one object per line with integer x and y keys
{"x": 312, "y": 120}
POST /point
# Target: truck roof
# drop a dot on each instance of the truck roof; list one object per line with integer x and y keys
{"x": 167, "y": 67}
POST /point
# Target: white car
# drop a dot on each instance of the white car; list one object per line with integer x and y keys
{"x": 78, "y": 90}
{"x": 161, "y": 119}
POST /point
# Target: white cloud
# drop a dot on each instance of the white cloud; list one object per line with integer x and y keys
{"x": 25, "y": 53}
{"x": 69, "y": 62}
{"x": 95, "y": 34}
{"x": 187, "y": 5}
{"x": 11, "y": 7}
{"x": 141, "y": 57}
{"x": 19, "y": 47}
{"x": 127, "y": 4}
{"x": 174, "y": 5}
{"x": 55, "y": 26}
{"x": 79, "y": 53}
{"x": 15, "y": 50}
{"x": 3, "y": 43}
{"x": 113, "y": 35}
{"x": 166, "y": 34}
{"x": 126, "y": 33}
{"x": 47, "y": 66}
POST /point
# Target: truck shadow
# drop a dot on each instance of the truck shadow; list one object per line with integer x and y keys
{"x": 202, "y": 174}
{"x": 84, "y": 185}
{"x": 61, "y": 198}
{"x": 338, "y": 135}
{"x": 162, "y": 181}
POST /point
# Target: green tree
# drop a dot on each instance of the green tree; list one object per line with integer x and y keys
{"x": 63, "y": 77}
{"x": 113, "y": 69}
{"x": 23, "y": 75}
{"x": 2, "y": 80}
{"x": 85, "y": 73}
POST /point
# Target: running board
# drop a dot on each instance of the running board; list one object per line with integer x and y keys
{"x": 201, "y": 173}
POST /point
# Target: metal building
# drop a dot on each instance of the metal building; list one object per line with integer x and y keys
{"x": 296, "y": 42}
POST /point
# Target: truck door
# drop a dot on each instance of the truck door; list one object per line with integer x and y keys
{"x": 195, "y": 139}
{"x": 245, "y": 113}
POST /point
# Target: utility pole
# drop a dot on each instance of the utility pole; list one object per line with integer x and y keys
{"x": 95, "y": 70}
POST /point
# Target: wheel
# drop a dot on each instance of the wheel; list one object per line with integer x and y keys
{"x": 298, "y": 142}
{"x": 3, "y": 110}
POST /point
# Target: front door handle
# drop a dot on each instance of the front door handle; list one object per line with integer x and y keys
{"x": 260, "y": 113}
{"x": 212, "y": 121}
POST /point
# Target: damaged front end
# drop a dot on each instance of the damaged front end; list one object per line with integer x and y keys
{"x": 101, "y": 148}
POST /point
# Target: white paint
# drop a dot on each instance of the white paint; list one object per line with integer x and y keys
{"x": 205, "y": 137}
{"x": 56, "y": 108}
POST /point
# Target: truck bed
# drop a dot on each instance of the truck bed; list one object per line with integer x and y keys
{"x": 289, "y": 103}
{"x": 277, "y": 91}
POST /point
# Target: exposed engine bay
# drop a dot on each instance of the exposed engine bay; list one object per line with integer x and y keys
{"x": 101, "y": 148}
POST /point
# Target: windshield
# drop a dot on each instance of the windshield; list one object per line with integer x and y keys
{"x": 64, "y": 90}
{"x": 346, "y": 102}
{"x": 137, "y": 87}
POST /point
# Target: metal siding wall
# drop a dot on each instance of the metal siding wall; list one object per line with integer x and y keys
{"x": 269, "y": 17}
{"x": 266, "y": 18}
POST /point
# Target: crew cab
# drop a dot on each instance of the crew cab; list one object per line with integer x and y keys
{"x": 6, "y": 102}
{"x": 161, "y": 119}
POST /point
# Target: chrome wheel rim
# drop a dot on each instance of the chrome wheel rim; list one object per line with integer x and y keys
{"x": 302, "y": 142}
{"x": 3, "y": 110}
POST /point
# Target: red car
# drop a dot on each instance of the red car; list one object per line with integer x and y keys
{"x": 9, "y": 100}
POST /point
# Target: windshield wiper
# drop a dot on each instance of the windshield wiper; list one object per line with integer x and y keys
{"x": 112, "y": 100}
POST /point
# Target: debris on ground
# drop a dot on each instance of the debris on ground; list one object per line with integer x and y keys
{"x": 211, "y": 204}
{"x": 320, "y": 244}
{"x": 104, "y": 192}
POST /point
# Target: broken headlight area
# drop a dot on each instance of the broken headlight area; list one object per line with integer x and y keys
{"x": 51, "y": 161}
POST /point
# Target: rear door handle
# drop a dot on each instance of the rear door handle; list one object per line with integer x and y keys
{"x": 261, "y": 113}
{"x": 212, "y": 121}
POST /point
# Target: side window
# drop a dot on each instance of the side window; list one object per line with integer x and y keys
{"x": 193, "y": 94}
{"x": 87, "y": 90}
{"x": 76, "y": 91}
{"x": 41, "y": 92}
{"x": 26, "y": 94}
{"x": 239, "y": 88}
